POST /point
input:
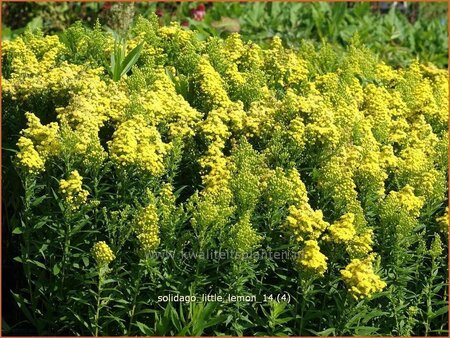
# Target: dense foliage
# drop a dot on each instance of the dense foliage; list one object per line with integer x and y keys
{"x": 157, "y": 164}
{"x": 397, "y": 32}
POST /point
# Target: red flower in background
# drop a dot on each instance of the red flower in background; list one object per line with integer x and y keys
{"x": 106, "y": 7}
{"x": 198, "y": 13}
{"x": 159, "y": 12}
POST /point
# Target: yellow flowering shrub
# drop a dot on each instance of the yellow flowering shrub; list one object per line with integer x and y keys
{"x": 205, "y": 145}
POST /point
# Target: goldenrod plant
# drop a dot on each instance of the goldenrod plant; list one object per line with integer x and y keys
{"x": 275, "y": 191}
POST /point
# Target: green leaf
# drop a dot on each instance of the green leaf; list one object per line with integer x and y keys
{"x": 37, "y": 263}
{"x": 17, "y": 231}
{"x": 18, "y": 259}
{"x": 85, "y": 261}
{"x": 439, "y": 312}
{"x": 38, "y": 201}
{"x": 23, "y": 306}
{"x": 56, "y": 269}
{"x": 131, "y": 59}
{"x": 144, "y": 329}
{"x": 365, "y": 330}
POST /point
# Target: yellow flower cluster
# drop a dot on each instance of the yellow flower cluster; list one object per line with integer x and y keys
{"x": 136, "y": 143}
{"x": 102, "y": 253}
{"x": 217, "y": 128}
{"x": 284, "y": 66}
{"x": 147, "y": 228}
{"x": 303, "y": 221}
{"x": 174, "y": 31}
{"x": 443, "y": 221}
{"x": 404, "y": 201}
{"x": 45, "y": 138}
{"x": 74, "y": 194}
{"x": 311, "y": 259}
{"x": 162, "y": 104}
{"x": 337, "y": 181}
{"x": 37, "y": 144}
{"x": 28, "y": 158}
{"x": 343, "y": 230}
{"x": 167, "y": 200}
{"x": 244, "y": 235}
{"x": 33, "y": 57}
{"x": 211, "y": 86}
{"x": 36, "y": 72}
{"x": 306, "y": 223}
{"x": 149, "y": 240}
{"x": 361, "y": 245}
{"x": 436, "y": 247}
{"x": 308, "y": 227}
{"x": 361, "y": 279}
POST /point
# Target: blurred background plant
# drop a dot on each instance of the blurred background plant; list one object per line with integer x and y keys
{"x": 395, "y": 31}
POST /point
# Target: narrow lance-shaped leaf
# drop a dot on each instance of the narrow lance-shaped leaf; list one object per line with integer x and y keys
{"x": 131, "y": 59}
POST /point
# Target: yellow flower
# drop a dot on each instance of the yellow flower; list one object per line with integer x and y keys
{"x": 305, "y": 223}
{"x": 211, "y": 85}
{"x": 343, "y": 230}
{"x": 147, "y": 220}
{"x": 28, "y": 158}
{"x": 244, "y": 236}
{"x": 361, "y": 280}
{"x": 443, "y": 221}
{"x": 310, "y": 258}
{"x": 361, "y": 245}
{"x": 135, "y": 142}
{"x": 37, "y": 144}
{"x": 149, "y": 240}
{"x": 102, "y": 253}
{"x": 147, "y": 227}
{"x": 45, "y": 138}
{"x": 72, "y": 190}
{"x": 407, "y": 201}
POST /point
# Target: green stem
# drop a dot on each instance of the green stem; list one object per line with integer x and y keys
{"x": 25, "y": 256}
{"x": 97, "y": 313}
{"x": 138, "y": 285}
{"x": 429, "y": 295}
{"x": 296, "y": 305}
{"x": 305, "y": 286}
{"x": 302, "y": 313}
{"x": 66, "y": 249}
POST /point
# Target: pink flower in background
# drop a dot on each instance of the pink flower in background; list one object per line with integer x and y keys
{"x": 185, "y": 24}
{"x": 159, "y": 12}
{"x": 198, "y": 13}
